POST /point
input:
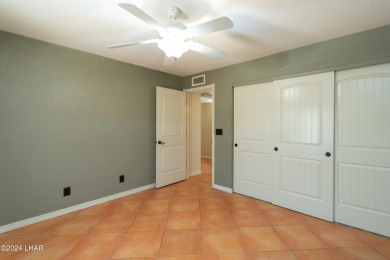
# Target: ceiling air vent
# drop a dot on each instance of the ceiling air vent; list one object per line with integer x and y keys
{"x": 199, "y": 80}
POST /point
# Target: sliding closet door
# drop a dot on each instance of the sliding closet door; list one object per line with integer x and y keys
{"x": 363, "y": 148}
{"x": 253, "y": 147}
{"x": 303, "y": 152}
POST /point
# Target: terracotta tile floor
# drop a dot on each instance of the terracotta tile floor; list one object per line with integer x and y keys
{"x": 190, "y": 221}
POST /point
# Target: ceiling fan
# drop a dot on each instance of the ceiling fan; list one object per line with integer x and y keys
{"x": 175, "y": 38}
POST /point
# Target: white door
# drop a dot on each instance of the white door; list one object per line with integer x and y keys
{"x": 363, "y": 148}
{"x": 252, "y": 115}
{"x": 303, "y": 153}
{"x": 170, "y": 136}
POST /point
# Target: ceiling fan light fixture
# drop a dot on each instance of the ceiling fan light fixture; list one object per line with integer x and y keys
{"x": 175, "y": 38}
{"x": 173, "y": 47}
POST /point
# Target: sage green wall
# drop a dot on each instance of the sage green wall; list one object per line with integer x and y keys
{"x": 361, "y": 49}
{"x": 69, "y": 118}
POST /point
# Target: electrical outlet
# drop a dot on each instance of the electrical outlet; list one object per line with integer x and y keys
{"x": 66, "y": 191}
{"x": 122, "y": 178}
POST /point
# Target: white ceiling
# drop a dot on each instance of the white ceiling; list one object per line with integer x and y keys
{"x": 261, "y": 27}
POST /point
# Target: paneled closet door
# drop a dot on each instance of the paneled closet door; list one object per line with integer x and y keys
{"x": 253, "y": 147}
{"x": 303, "y": 149}
{"x": 363, "y": 148}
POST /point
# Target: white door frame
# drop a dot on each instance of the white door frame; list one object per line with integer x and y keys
{"x": 195, "y": 90}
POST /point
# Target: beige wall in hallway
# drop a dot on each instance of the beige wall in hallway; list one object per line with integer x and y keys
{"x": 206, "y": 131}
{"x": 194, "y": 133}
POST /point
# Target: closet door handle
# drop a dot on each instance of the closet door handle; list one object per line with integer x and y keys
{"x": 328, "y": 154}
{"x": 276, "y": 149}
{"x": 235, "y": 145}
{"x": 159, "y": 142}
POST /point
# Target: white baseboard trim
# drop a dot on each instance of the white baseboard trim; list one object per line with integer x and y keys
{"x": 195, "y": 173}
{"x": 207, "y": 157}
{"x": 71, "y": 209}
{"x": 222, "y": 188}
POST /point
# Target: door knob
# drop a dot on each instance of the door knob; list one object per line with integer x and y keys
{"x": 328, "y": 154}
{"x": 159, "y": 142}
{"x": 235, "y": 145}
{"x": 276, "y": 149}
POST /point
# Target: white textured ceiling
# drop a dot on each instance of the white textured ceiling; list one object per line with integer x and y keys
{"x": 261, "y": 27}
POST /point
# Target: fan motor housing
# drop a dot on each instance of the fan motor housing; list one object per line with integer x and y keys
{"x": 174, "y": 12}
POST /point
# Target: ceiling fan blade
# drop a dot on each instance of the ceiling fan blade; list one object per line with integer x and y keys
{"x": 132, "y": 43}
{"x": 218, "y": 24}
{"x": 134, "y": 10}
{"x": 206, "y": 50}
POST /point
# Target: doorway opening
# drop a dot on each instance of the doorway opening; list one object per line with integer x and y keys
{"x": 200, "y": 137}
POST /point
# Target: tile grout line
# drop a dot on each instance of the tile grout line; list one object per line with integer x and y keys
{"x": 165, "y": 229}
{"x": 247, "y": 251}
